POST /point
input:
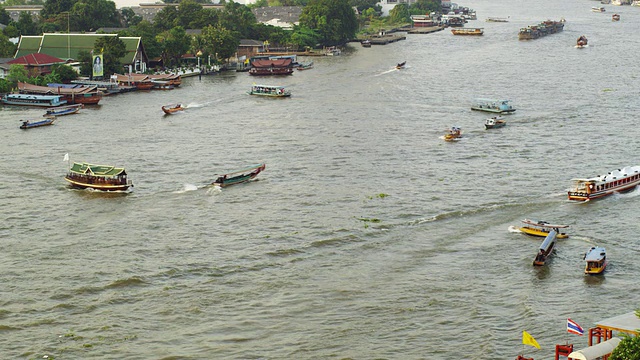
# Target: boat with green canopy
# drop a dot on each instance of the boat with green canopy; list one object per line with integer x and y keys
{"x": 98, "y": 177}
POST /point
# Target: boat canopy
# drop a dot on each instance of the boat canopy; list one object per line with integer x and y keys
{"x": 486, "y": 100}
{"x": 548, "y": 241}
{"x": 544, "y": 224}
{"x": 268, "y": 86}
{"x": 627, "y": 323}
{"x": 613, "y": 175}
{"x": 96, "y": 170}
{"x": 596, "y": 253}
{"x": 266, "y": 63}
{"x": 596, "y": 351}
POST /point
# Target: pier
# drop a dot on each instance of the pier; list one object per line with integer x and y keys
{"x": 425, "y": 30}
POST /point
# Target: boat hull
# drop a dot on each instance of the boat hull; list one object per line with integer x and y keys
{"x": 227, "y": 180}
{"x": 171, "y": 110}
{"x": 539, "y": 232}
{"x": 582, "y": 196}
{"x": 47, "y": 122}
{"x": 102, "y": 187}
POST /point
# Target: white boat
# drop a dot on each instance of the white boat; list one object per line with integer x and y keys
{"x": 596, "y": 260}
{"x": 493, "y": 105}
{"x": 619, "y": 180}
{"x": 598, "y": 9}
{"x": 546, "y": 249}
{"x": 494, "y": 122}
{"x": 332, "y": 51}
{"x": 269, "y": 91}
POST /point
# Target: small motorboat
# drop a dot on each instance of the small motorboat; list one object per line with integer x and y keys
{"x": 596, "y": 260}
{"x": 581, "y": 42}
{"x": 172, "y": 109}
{"x": 366, "y": 43}
{"x": 401, "y": 65}
{"x": 306, "y": 66}
{"x": 453, "y": 134}
{"x": 28, "y": 124}
{"x": 494, "y": 122}
{"x": 239, "y": 176}
{"x": 615, "y": 17}
{"x": 598, "y": 9}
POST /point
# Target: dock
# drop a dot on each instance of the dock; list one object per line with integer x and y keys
{"x": 386, "y": 39}
{"x": 425, "y": 30}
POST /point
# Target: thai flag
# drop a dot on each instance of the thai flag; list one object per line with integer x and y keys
{"x": 574, "y": 328}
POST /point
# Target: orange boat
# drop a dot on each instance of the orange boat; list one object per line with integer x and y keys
{"x": 172, "y": 109}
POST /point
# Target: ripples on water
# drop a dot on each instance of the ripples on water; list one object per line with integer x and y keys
{"x": 311, "y": 261}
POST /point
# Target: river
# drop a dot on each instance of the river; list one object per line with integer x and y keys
{"x": 367, "y": 236}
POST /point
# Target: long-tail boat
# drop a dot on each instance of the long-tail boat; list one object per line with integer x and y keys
{"x": 63, "y": 110}
{"x": 546, "y": 249}
{"x": 27, "y": 124}
{"x": 239, "y": 176}
{"x": 98, "y": 177}
{"x": 542, "y": 228}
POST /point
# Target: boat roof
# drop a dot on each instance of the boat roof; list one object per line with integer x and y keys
{"x": 269, "y": 86}
{"x": 550, "y": 239}
{"x": 596, "y": 351}
{"x": 491, "y": 100}
{"x": 96, "y": 170}
{"x": 543, "y": 224}
{"x": 612, "y": 175}
{"x": 252, "y": 167}
{"x": 595, "y": 253}
{"x": 34, "y": 96}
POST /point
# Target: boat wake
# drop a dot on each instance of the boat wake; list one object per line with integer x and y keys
{"x": 186, "y": 188}
{"x": 514, "y": 229}
{"x": 388, "y": 71}
{"x": 213, "y": 190}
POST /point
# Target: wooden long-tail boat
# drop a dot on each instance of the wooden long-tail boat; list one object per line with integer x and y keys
{"x": 239, "y": 176}
{"x": 546, "y": 249}
{"x": 27, "y": 124}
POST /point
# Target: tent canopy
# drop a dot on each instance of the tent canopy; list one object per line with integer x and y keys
{"x": 596, "y": 351}
{"x": 627, "y": 323}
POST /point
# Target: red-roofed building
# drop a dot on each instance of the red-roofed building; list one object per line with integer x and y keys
{"x": 37, "y": 63}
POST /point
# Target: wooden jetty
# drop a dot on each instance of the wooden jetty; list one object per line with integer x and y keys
{"x": 386, "y": 39}
{"x": 425, "y": 30}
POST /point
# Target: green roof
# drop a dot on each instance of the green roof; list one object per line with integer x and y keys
{"x": 67, "y": 46}
{"x": 96, "y": 170}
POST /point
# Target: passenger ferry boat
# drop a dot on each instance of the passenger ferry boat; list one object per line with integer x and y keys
{"x": 269, "y": 90}
{"x": 596, "y": 260}
{"x": 33, "y": 100}
{"x": 493, "y": 105}
{"x": 98, "y": 177}
{"x": 542, "y": 228}
{"x": 619, "y": 180}
{"x": 467, "y": 31}
{"x": 546, "y": 249}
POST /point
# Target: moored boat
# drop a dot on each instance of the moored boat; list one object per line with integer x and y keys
{"x": 71, "y": 93}
{"x": 28, "y": 124}
{"x": 98, "y": 177}
{"x": 497, "y": 19}
{"x": 239, "y": 176}
{"x": 542, "y": 228}
{"x": 453, "y": 134}
{"x": 172, "y": 109}
{"x": 366, "y": 43}
{"x": 33, "y": 100}
{"x": 467, "y": 31}
{"x": 619, "y": 180}
{"x": 494, "y": 122}
{"x": 596, "y": 260}
{"x": 63, "y": 110}
{"x": 269, "y": 90}
{"x": 546, "y": 249}
{"x": 281, "y": 66}
{"x": 493, "y": 105}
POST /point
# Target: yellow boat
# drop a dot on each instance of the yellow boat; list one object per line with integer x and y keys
{"x": 542, "y": 228}
{"x": 596, "y": 259}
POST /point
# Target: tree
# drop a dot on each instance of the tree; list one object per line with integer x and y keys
{"x": 64, "y": 72}
{"x": 89, "y": 15}
{"x": 147, "y": 33}
{"x": 334, "y": 20}
{"x": 399, "y": 14}
{"x": 11, "y": 31}
{"x": 113, "y": 49}
{"x": 175, "y": 43}
{"x": 363, "y": 5}
{"x": 17, "y": 73}
{"x": 628, "y": 348}
{"x": 5, "y": 19}
{"x": 165, "y": 19}
{"x": 220, "y": 42}
{"x": 303, "y": 36}
{"x": 237, "y": 17}
{"x": 188, "y": 13}
{"x": 25, "y": 24}
{"x": 425, "y": 6}
{"x": 7, "y": 48}
{"x": 54, "y": 7}
{"x": 84, "y": 58}
{"x": 129, "y": 18}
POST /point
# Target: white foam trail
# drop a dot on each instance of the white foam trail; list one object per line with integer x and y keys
{"x": 514, "y": 229}
{"x": 186, "y": 188}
